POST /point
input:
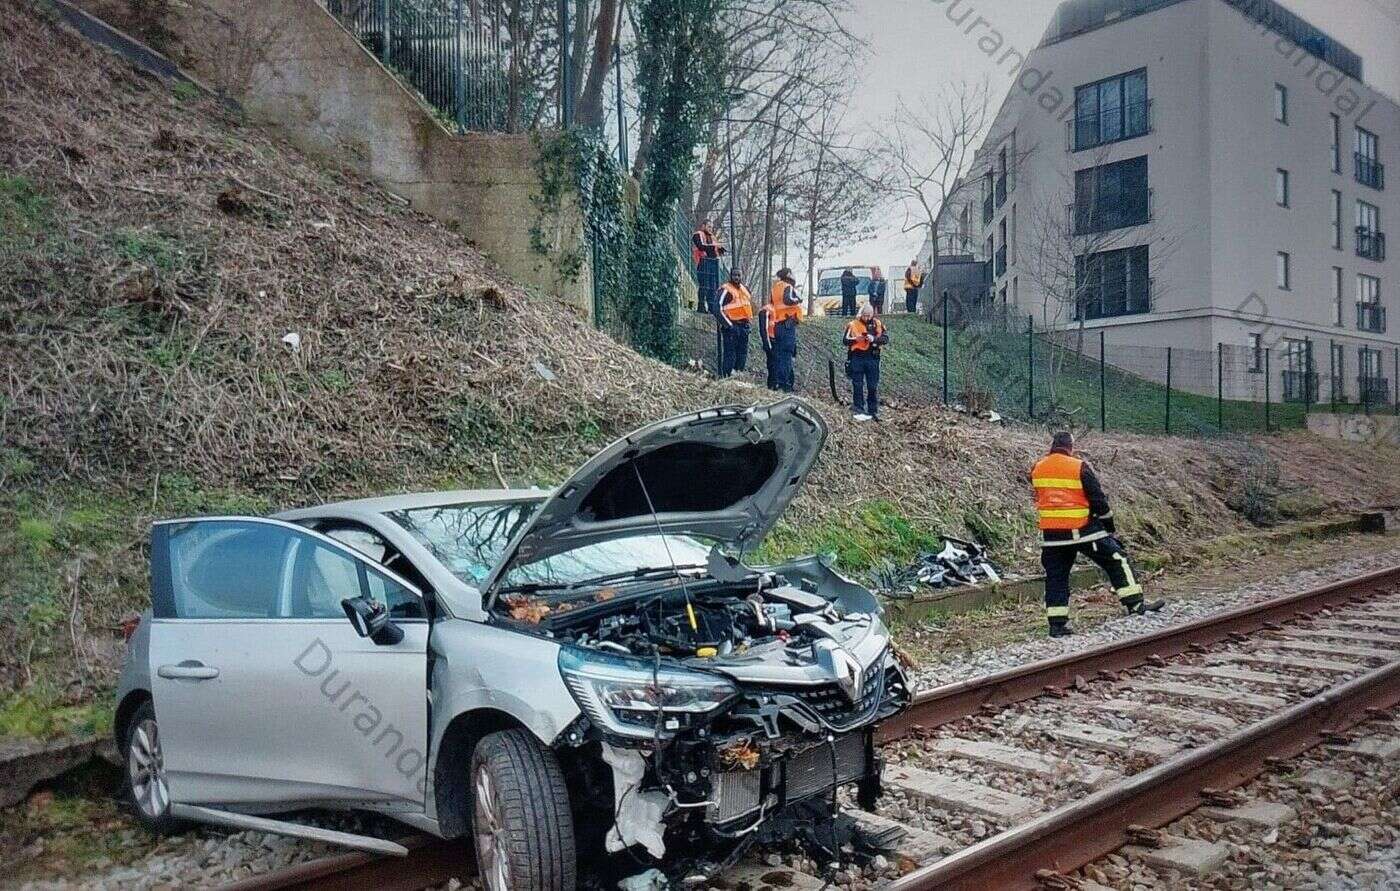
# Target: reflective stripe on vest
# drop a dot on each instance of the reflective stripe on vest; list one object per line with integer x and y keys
{"x": 783, "y": 311}
{"x": 1059, "y": 493}
{"x": 739, "y": 305}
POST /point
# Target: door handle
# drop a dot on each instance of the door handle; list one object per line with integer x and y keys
{"x": 188, "y": 671}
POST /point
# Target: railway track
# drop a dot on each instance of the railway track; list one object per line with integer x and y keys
{"x": 1015, "y": 779}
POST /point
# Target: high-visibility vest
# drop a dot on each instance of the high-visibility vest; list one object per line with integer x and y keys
{"x": 913, "y": 279}
{"x": 856, "y": 330}
{"x": 1059, "y": 493}
{"x": 696, "y": 255}
{"x": 782, "y": 311}
{"x": 736, "y": 302}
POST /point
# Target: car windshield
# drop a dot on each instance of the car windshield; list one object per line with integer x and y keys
{"x": 467, "y": 539}
{"x": 610, "y": 559}
{"x": 831, "y": 287}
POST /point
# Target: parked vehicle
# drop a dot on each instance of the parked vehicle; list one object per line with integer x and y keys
{"x": 828, "y": 299}
{"x": 551, "y": 673}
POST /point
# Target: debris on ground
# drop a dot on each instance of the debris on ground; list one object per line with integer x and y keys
{"x": 958, "y": 564}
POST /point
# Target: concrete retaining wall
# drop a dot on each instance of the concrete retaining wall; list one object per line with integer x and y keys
{"x": 1356, "y": 428}
{"x": 293, "y": 66}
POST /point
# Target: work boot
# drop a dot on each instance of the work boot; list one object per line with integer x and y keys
{"x": 1143, "y": 607}
{"x": 1060, "y": 630}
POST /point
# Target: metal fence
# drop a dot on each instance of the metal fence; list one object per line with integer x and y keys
{"x": 482, "y": 65}
{"x": 1058, "y": 378}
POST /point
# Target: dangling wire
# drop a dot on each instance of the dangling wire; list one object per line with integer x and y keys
{"x": 656, "y": 519}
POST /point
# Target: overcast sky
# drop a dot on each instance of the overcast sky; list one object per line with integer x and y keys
{"x": 898, "y": 34}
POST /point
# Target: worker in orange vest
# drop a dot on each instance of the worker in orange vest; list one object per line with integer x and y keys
{"x": 784, "y": 315}
{"x": 913, "y": 281}
{"x": 705, "y": 251}
{"x": 864, "y": 336}
{"x": 1075, "y": 519}
{"x": 735, "y": 316}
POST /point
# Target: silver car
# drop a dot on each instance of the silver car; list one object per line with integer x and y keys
{"x": 590, "y": 669}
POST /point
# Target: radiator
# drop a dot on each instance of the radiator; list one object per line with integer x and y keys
{"x": 810, "y": 772}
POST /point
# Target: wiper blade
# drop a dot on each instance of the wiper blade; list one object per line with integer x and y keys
{"x": 533, "y": 587}
{"x": 641, "y": 573}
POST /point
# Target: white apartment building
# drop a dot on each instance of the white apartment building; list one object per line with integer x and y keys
{"x": 1190, "y": 173}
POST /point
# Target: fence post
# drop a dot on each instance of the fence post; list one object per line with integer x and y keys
{"x": 1332, "y": 372}
{"x": 1308, "y": 376}
{"x": 387, "y": 33}
{"x": 1103, "y": 384}
{"x": 1169, "y": 391}
{"x": 1030, "y": 366}
{"x": 459, "y": 85}
{"x": 945, "y": 346}
{"x": 1268, "y": 419}
{"x": 621, "y": 111}
{"x": 1220, "y": 386}
{"x": 1366, "y": 386}
{"x": 1397, "y": 381}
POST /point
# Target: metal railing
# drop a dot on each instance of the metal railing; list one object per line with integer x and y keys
{"x": 1103, "y": 216}
{"x": 1369, "y": 171}
{"x": 1129, "y": 122}
{"x": 1130, "y": 301}
{"x": 1001, "y": 261}
{"x": 1370, "y": 317}
{"x": 1374, "y": 390}
{"x": 1300, "y": 386}
{"x": 1370, "y": 243}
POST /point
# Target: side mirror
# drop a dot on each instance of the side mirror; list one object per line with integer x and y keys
{"x": 371, "y": 619}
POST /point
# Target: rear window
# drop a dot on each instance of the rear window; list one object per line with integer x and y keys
{"x": 467, "y": 539}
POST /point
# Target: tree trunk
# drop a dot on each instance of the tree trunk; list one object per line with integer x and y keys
{"x": 812, "y": 228}
{"x": 590, "y": 106}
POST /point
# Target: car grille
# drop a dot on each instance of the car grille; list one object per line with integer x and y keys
{"x": 826, "y": 765}
{"x": 834, "y": 707}
{"x": 737, "y": 793}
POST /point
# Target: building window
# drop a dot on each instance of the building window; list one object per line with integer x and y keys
{"x": 1369, "y": 169}
{"x": 1012, "y": 241}
{"x": 1110, "y": 110}
{"x": 1370, "y": 240}
{"x": 1284, "y": 271}
{"x": 1281, "y": 187}
{"x": 1336, "y": 144}
{"x": 1281, "y": 103}
{"x": 1336, "y": 219}
{"x": 1337, "y": 276}
{"x": 1374, "y": 385}
{"x": 1256, "y": 352}
{"x": 1111, "y": 196}
{"x": 1370, "y": 315}
{"x": 1113, "y": 283}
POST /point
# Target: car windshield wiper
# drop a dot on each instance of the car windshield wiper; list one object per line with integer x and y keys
{"x": 641, "y": 573}
{"x": 533, "y": 587}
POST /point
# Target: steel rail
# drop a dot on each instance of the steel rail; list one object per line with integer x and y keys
{"x": 960, "y": 700}
{"x": 1080, "y": 832}
{"x": 433, "y": 861}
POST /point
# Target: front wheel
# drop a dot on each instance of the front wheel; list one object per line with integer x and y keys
{"x": 521, "y": 822}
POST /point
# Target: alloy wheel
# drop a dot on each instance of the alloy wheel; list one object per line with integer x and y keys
{"x": 492, "y": 846}
{"x": 146, "y": 766}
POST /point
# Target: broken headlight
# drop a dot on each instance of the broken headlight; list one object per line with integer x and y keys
{"x": 633, "y": 697}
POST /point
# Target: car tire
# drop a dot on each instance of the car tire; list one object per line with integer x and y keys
{"x": 522, "y": 826}
{"x": 145, "y": 788}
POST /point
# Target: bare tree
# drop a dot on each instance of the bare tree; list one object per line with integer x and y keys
{"x": 931, "y": 155}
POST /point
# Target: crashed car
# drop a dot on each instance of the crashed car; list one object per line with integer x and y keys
{"x": 554, "y": 674}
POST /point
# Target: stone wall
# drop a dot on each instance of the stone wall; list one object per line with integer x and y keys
{"x": 1375, "y": 428}
{"x": 293, "y": 66}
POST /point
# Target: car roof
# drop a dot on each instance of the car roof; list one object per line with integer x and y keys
{"x": 387, "y": 503}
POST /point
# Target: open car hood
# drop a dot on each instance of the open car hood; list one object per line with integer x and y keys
{"x": 722, "y": 473}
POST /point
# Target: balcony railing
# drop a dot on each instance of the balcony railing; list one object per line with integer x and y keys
{"x": 1129, "y": 122}
{"x": 1126, "y": 302}
{"x": 1001, "y": 190}
{"x": 987, "y": 209}
{"x": 1299, "y": 386}
{"x": 1374, "y": 390}
{"x": 1086, "y": 219}
{"x": 1001, "y": 261}
{"x": 1370, "y": 243}
{"x": 1370, "y": 317}
{"x": 1370, "y": 172}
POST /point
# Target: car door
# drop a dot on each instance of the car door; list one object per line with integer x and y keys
{"x": 264, "y": 693}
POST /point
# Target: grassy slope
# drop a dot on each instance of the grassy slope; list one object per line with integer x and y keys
{"x": 154, "y": 252}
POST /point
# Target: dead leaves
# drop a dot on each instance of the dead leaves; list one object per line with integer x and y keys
{"x": 741, "y": 755}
